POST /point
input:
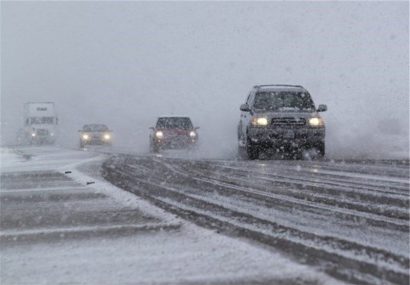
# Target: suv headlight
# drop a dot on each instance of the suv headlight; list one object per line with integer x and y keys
{"x": 159, "y": 134}
{"x": 316, "y": 122}
{"x": 85, "y": 136}
{"x": 260, "y": 121}
{"x": 192, "y": 134}
{"x": 107, "y": 137}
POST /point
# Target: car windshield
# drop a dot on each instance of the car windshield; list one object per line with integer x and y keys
{"x": 95, "y": 128}
{"x": 283, "y": 101}
{"x": 42, "y": 120}
{"x": 174, "y": 123}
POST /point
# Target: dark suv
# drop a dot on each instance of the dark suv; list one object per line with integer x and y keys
{"x": 283, "y": 118}
{"x": 173, "y": 132}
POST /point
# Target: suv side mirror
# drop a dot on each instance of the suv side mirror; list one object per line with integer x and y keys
{"x": 196, "y": 128}
{"x": 151, "y": 128}
{"x": 322, "y": 108}
{"x": 245, "y": 108}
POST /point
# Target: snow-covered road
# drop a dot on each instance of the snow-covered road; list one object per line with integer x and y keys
{"x": 348, "y": 218}
{"x": 62, "y": 223}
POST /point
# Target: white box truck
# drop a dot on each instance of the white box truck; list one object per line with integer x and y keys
{"x": 40, "y": 123}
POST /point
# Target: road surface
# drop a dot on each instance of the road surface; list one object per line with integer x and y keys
{"x": 61, "y": 223}
{"x": 349, "y": 219}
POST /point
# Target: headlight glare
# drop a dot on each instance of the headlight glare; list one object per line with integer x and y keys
{"x": 192, "y": 134}
{"x": 261, "y": 121}
{"x": 315, "y": 122}
{"x": 33, "y": 134}
{"x": 85, "y": 136}
{"x": 107, "y": 136}
{"x": 159, "y": 134}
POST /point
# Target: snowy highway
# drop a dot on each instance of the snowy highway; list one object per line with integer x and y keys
{"x": 205, "y": 142}
{"x": 350, "y": 219}
{"x": 61, "y": 223}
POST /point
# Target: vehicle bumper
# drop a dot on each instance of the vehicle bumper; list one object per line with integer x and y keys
{"x": 295, "y": 137}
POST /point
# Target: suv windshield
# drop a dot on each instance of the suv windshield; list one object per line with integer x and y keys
{"x": 174, "y": 123}
{"x": 95, "y": 128}
{"x": 283, "y": 101}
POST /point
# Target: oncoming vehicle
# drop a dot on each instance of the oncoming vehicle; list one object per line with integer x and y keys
{"x": 173, "y": 132}
{"x": 95, "y": 134}
{"x": 282, "y": 118}
{"x": 40, "y": 124}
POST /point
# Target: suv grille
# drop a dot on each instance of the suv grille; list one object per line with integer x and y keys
{"x": 288, "y": 121}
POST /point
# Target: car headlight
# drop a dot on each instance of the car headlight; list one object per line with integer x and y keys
{"x": 107, "y": 136}
{"x": 33, "y": 134}
{"x": 85, "y": 136}
{"x": 192, "y": 134}
{"x": 260, "y": 121}
{"x": 315, "y": 122}
{"x": 159, "y": 134}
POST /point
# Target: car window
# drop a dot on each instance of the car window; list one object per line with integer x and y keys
{"x": 95, "y": 128}
{"x": 174, "y": 123}
{"x": 283, "y": 101}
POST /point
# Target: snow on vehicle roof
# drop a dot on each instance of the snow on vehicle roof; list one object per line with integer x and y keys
{"x": 280, "y": 87}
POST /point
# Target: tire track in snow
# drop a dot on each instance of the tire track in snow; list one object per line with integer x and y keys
{"x": 366, "y": 260}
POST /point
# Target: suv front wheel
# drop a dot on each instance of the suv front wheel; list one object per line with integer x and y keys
{"x": 252, "y": 151}
{"x": 321, "y": 149}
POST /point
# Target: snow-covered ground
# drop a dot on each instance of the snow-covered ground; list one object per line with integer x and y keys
{"x": 349, "y": 216}
{"x": 183, "y": 254}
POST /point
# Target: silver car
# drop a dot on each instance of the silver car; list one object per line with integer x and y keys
{"x": 283, "y": 118}
{"x": 95, "y": 134}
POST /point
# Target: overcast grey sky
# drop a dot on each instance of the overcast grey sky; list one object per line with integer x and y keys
{"x": 125, "y": 63}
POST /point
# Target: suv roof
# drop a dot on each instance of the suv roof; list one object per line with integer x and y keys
{"x": 278, "y": 86}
